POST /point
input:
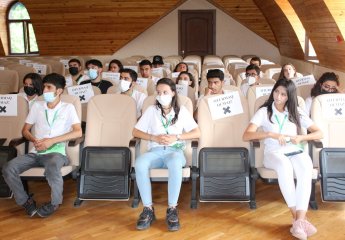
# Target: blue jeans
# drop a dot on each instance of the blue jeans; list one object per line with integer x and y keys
{"x": 52, "y": 163}
{"x": 160, "y": 157}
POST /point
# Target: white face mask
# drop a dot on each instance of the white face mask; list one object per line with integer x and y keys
{"x": 251, "y": 80}
{"x": 183, "y": 82}
{"x": 164, "y": 100}
{"x": 124, "y": 85}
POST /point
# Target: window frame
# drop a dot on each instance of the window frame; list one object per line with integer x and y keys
{"x": 26, "y": 33}
{"x": 307, "y": 48}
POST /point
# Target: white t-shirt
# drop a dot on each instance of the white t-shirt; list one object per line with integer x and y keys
{"x": 61, "y": 119}
{"x": 151, "y": 123}
{"x": 30, "y": 102}
{"x": 69, "y": 80}
{"x": 139, "y": 98}
{"x": 260, "y": 119}
{"x": 308, "y": 102}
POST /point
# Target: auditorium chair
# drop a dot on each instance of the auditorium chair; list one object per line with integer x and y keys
{"x": 196, "y": 60}
{"x": 9, "y": 81}
{"x": 212, "y": 60}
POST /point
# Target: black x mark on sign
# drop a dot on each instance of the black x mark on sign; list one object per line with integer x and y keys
{"x": 338, "y": 111}
{"x": 82, "y": 97}
{"x": 2, "y": 109}
{"x": 226, "y": 110}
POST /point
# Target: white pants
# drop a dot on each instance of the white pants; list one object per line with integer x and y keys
{"x": 301, "y": 164}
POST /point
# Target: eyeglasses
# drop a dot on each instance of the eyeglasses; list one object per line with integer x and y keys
{"x": 329, "y": 88}
{"x": 251, "y": 74}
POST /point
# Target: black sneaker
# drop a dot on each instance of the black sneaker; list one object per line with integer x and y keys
{"x": 172, "y": 219}
{"x": 30, "y": 207}
{"x": 47, "y": 209}
{"x": 146, "y": 218}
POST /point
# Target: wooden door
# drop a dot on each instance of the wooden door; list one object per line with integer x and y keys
{"x": 197, "y": 32}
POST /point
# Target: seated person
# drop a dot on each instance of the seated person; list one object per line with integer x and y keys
{"x": 76, "y": 75}
{"x": 158, "y": 63}
{"x": 252, "y": 78}
{"x": 95, "y": 68}
{"x": 55, "y": 123}
{"x": 115, "y": 66}
{"x": 128, "y": 77}
{"x": 33, "y": 87}
{"x": 145, "y": 68}
{"x": 328, "y": 83}
{"x": 181, "y": 67}
{"x": 166, "y": 126}
{"x": 186, "y": 78}
{"x": 256, "y": 61}
{"x": 289, "y": 71}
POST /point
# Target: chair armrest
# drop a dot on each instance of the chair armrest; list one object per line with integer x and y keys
{"x": 2, "y": 141}
{"x": 195, "y": 143}
{"x": 134, "y": 142}
{"x": 17, "y": 141}
{"x": 255, "y": 143}
{"x": 317, "y": 143}
{"x": 76, "y": 141}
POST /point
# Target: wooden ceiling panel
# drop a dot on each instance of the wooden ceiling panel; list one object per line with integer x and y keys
{"x": 247, "y": 13}
{"x": 322, "y": 31}
{"x": 94, "y": 27}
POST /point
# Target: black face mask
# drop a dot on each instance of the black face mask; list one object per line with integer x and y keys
{"x": 323, "y": 91}
{"x": 73, "y": 71}
{"x": 30, "y": 91}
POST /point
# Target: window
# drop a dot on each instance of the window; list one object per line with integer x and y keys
{"x": 21, "y": 33}
{"x": 309, "y": 52}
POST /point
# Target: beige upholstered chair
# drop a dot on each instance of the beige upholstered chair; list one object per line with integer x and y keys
{"x": 229, "y": 163}
{"x": 9, "y": 81}
{"x": 161, "y": 174}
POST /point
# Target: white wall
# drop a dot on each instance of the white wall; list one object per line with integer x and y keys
{"x": 231, "y": 37}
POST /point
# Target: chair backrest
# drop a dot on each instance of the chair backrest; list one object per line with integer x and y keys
{"x": 304, "y": 91}
{"x": 255, "y": 92}
{"x": 212, "y": 59}
{"x": 110, "y": 120}
{"x": 224, "y": 132}
{"x": 196, "y": 60}
{"x": 96, "y": 91}
{"x": 9, "y": 81}
{"x": 182, "y": 101}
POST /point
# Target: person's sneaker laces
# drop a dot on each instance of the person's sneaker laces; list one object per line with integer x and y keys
{"x": 172, "y": 219}
{"x": 47, "y": 209}
{"x": 30, "y": 207}
{"x": 297, "y": 230}
{"x": 146, "y": 218}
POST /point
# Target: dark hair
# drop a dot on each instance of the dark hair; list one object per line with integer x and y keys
{"x": 57, "y": 80}
{"x": 95, "y": 62}
{"x": 253, "y": 66}
{"x": 281, "y": 75}
{"x": 215, "y": 73}
{"x": 327, "y": 76}
{"x": 190, "y": 77}
{"x": 291, "y": 103}
{"x": 117, "y": 62}
{"x": 180, "y": 63}
{"x": 174, "y": 104}
{"x": 145, "y": 62}
{"x": 36, "y": 82}
{"x": 256, "y": 58}
{"x": 131, "y": 72}
{"x": 74, "y": 60}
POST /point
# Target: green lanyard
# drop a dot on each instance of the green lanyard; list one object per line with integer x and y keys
{"x": 167, "y": 124}
{"x": 280, "y": 124}
{"x": 54, "y": 118}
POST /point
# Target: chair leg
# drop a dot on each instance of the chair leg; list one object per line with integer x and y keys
{"x": 194, "y": 203}
{"x": 136, "y": 197}
{"x": 77, "y": 202}
{"x": 312, "y": 201}
{"x": 252, "y": 203}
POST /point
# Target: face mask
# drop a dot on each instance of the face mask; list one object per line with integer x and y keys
{"x": 30, "y": 91}
{"x": 183, "y": 82}
{"x": 164, "y": 100}
{"x": 124, "y": 85}
{"x": 93, "y": 74}
{"x": 49, "y": 97}
{"x": 73, "y": 71}
{"x": 323, "y": 91}
{"x": 251, "y": 80}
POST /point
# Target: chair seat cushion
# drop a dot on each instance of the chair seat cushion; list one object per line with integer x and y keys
{"x": 39, "y": 172}
{"x": 267, "y": 173}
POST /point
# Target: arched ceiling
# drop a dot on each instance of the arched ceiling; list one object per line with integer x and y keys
{"x": 77, "y": 27}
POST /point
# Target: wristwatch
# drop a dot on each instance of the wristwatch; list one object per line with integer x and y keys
{"x": 178, "y": 137}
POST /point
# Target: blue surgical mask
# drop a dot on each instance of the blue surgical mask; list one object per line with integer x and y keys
{"x": 93, "y": 74}
{"x": 49, "y": 97}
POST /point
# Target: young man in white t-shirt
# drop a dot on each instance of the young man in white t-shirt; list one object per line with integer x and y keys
{"x": 76, "y": 75}
{"x": 55, "y": 123}
{"x": 252, "y": 78}
{"x": 128, "y": 78}
{"x": 145, "y": 68}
